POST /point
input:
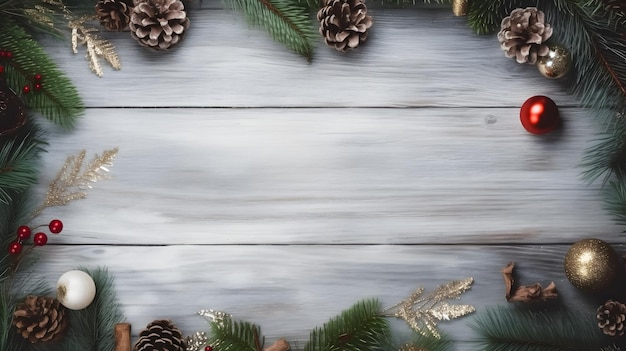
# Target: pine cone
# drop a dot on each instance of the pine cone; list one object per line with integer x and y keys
{"x": 523, "y": 34}
{"x": 344, "y": 23}
{"x": 40, "y": 319}
{"x": 160, "y": 335}
{"x": 611, "y": 317}
{"x": 114, "y": 14}
{"x": 158, "y": 24}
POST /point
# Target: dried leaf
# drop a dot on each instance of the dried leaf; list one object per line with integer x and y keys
{"x": 525, "y": 293}
{"x": 422, "y": 313}
{"x": 72, "y": 179}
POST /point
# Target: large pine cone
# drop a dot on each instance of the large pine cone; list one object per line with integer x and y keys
{"x": 114, "y": 14}
{"x": 344, "y": 23}
{"x": 611, "y": 317}
{"x": 40, "y": 319}
{"x": 158, "y": 24}
{"x": 160, "y": 335}
{"x": 523, "y": 34}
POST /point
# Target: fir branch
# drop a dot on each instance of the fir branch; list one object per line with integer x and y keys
{"x": 231, "y": 335}
{"x": 285, "y": 21}
{"x": 73, "y": 178}
{"x": 615, "y": 195}
{"x": 485, "y": 16}
{"x": 607, "y": 158}
{"x": 502, "y": 328}
{"x": 19, "y": 156}
{"x": 422, "y": 342}
{"x": 361, "y": 327}
{"x": 58, "y": 100}
{"x": 92, "y": 328}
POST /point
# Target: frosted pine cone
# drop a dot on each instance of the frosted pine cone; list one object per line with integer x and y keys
{"x": 344, "y": 23}
{"x": 160, "y": 335}
{"x": 40, "y": 319}
{"x": 114, "y": 14}
{"x": 611, "y": 318}
{"x": 158, "y": 24}
{"x": 523, "y": 34}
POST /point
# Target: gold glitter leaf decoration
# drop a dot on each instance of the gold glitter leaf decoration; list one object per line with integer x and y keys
{"x": 71, "y": 181}
{"x": 423, "y": 312}
{"x": 97, "y": 48}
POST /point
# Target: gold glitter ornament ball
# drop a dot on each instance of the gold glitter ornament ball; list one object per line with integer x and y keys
{"x": 556, "y": 63}
{"x": 591, "y": 265}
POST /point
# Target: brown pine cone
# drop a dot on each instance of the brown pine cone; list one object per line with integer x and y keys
{"x": 40, "y": 319}
{"x": 523, "y": 34}
{"x": 158, "y": 24}
{"x": 114, "y": 14}
{"x": 344, "y": 23}
{"x": 611, "y": 317}
{"x": 160, "y": 335}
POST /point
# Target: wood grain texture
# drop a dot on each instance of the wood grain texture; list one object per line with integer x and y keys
{"x": 282, "y": 192}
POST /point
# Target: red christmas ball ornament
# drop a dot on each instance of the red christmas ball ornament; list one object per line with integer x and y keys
{"x": 540, "y": 115}
{"x": 40, "y": 239}
{"x": 15, "y": 248}
{"x": 55, "y": 226}
{"x": 23, "y": 232}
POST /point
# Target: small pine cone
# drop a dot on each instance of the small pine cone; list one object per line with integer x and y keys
{"x": 114, "y": 14}
{"x": 158, "y": 24}
{"x": 523, "y": 34}
{"x": 344, "y": 23}
{"x": 160, "y": 335}
{"x": 40, "y": 319}
{"x": 611, "y": 318}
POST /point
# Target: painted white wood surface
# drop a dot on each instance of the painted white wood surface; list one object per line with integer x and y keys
{"x": 361, "y": 175}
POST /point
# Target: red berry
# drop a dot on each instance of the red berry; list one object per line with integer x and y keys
{"x": 40, "y": 239}
{"x": 23, "y": 232}
{"x": 55, "y": 226}
{"x": 37, "y": 77}
{"x": 3, "y": 53}
{"x": 208, "y": 348}
{"x": 26, "y": 89}
{"x": 1, "y": 69}
{"x": 15, "y": 248}
{"x": 37, "y": 85}
{"x": 9, "y": 54}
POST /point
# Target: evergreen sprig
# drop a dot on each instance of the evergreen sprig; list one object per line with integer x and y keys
{"x": 503, "y": 328}
{"x": 231, "y": 335}
{"x": 19, "y": 156}
{"x": 92, "y": 328}
{"x": 485, "y": 16}
{"x": 361, "y": 327}
{"x": 285, "y": 20}
{"x": 58, "y": 100}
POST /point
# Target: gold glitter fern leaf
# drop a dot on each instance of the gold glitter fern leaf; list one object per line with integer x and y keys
{"x": 423, "y": 312}
{"x": 72, "y": 180}
{"x": 97, "y": 48}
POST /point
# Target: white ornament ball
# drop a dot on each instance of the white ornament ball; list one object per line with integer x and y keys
{"x": 76, "y": 290}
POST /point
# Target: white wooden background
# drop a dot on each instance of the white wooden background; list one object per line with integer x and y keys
{"x": 282, "y": 192}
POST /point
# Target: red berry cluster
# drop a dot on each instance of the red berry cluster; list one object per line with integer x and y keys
{"x": 39, "y": 239}
{"x": 37, "y": 78}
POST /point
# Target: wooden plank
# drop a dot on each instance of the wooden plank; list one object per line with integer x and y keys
{"x": 277, "y": 176}
{"x": 413, "y": 58}
{"x": 290, "y": 289}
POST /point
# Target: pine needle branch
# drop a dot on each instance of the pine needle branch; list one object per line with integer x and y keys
{"x": 361, "y": 327}
{"x": 508, "y": 329}
{"x": 92, "y": 328}
{"x": 231, "y": 335}
{"x": 19, "y": 161}
{"x": 285, "y": 21}
{"x": 72, "y": 179}
{"x": 58, "y": 100}
{"x": 485, "y": 16}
